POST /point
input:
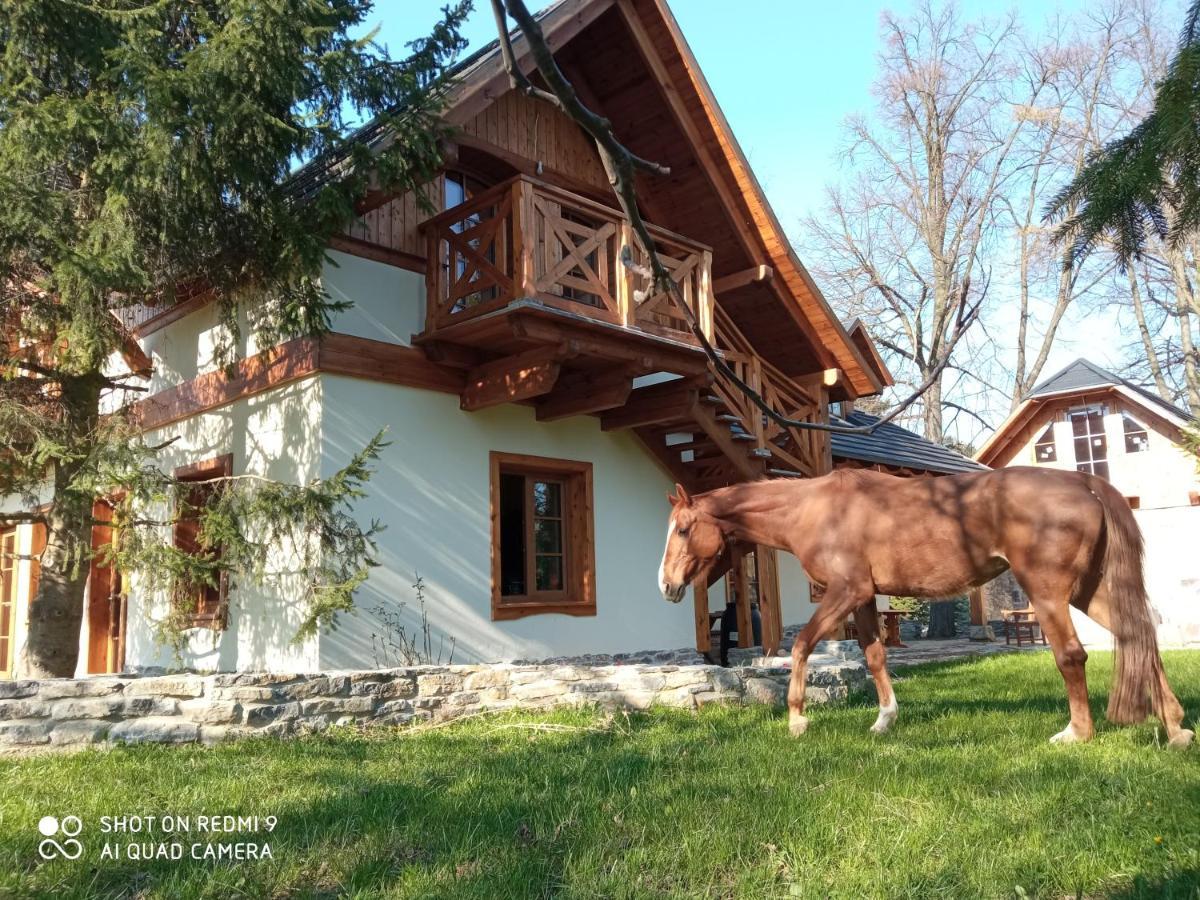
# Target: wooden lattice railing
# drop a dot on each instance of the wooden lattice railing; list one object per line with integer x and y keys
{"x": 527, "y": 239}
{"x": 805, "y": 450}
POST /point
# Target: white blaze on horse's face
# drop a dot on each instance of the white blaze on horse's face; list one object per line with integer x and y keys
{"x": 672, "y": 592}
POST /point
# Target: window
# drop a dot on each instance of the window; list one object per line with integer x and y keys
{"x": 459, "y": 189}
{"x": 1136, "y": 438}
{"x": 210, "y": 601}
{"x": 1045, "y": 451}
{"x": 1091, "y": 446}
{"x": 543, "y": 554}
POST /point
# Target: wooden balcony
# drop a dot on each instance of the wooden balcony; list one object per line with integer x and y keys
{"x": 523, "y": 244}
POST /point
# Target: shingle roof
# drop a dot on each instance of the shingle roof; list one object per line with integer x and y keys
{"x": 1083, "y": 374}
{"x": 892, "y": 445}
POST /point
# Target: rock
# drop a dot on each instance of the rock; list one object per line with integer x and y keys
{"x": 486, "y": 678}
{"x": 438, "y": 684}
{"x": 766, "y": 690}
{"x": 270, "y": 713}
{"x": 88, "y": 708}
{"x": 79, "y": 731}
{"x": 23, "y": 709}
{"x": 326, "y": 705}
{"x": 211, "y": 712}
{"x": 154, "y": 729}
{"x": 215, "y": 734}
{"x": 11, "y": 690}
{"x": 55, "y": 688}
{"x": 166, "y": 686}
{"x": 25, "y": 731}
{"x": 981, "y": 633}
{"x": 150, "y": 706}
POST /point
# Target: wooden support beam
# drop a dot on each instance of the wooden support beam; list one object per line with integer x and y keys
{"x": 454, "y": 355}
{"x": 584, "y": 393}
{"x": 741, "y": 588}
{"x": 592, "y": 341}
{"x": 737, "y": 453}
{"x": 668, "y": 401}
{"x": 514, "y": 378}
{"x": 700, "y": 599}
{"x": 975, "y": 596}
{"x": 770, "y": 606}
{"x": 743, "y": 278}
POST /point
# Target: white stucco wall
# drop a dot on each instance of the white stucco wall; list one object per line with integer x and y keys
{"x": 277, "y": 435}
{"x": 1159, "y": 476}
{"x": 431, "y": 490}
{"x": 1172, "y": 578}
{"x": 389, "y": 302}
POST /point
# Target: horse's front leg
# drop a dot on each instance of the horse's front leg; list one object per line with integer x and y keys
{"x": 866, "y": 619}
{"x": 836, "y": 605}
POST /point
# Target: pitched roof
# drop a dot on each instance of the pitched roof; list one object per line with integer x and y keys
{"x": 1083, "y": 374}
{"x": 1081, "y": 380}
{"x": 892, "y": 445}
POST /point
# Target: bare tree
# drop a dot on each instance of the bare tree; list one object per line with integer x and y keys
{"x": 903, "y": 246}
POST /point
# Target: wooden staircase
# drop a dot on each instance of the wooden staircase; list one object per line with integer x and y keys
{"x": 709, "y": 434}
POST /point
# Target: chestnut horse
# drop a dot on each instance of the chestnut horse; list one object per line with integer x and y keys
{"x": 1069, "y": 538}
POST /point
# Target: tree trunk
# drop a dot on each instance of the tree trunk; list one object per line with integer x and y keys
{"x": 51, "y": 647}
{"x": 941, "y": 619}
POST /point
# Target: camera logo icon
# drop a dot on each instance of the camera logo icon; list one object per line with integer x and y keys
{"x": 69, "y": 827}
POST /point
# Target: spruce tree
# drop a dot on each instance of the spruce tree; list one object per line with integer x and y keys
{"x": 146, "y": 154}
{"x": 1148, "y": 181}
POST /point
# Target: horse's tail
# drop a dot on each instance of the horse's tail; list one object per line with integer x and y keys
{"x": 1136, "y": 688}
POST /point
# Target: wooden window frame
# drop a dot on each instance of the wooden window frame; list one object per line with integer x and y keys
{"x": 1046, "y": 438}
{"x": 216, "y": 467}
{"x": 578, "y": 596}
{"x": 9, "y": 586}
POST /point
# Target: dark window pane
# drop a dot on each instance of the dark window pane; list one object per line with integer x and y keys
{"x": 546, "y": 497}
{"x": 512, "y": 534}
{"x": 1096, "y": 421}
{"x": 1078, "y": 424}
{"x": 1045, "y": 450}
{"x": 547, "y": 535}
{"x": 1100, "y": 468}
{"x": 1099, "y": 447}
{"x": 1083, "y": 449}
{"x": 549, "y": 573}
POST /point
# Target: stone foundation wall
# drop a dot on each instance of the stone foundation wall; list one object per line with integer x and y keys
{"x": 186, "y": 708}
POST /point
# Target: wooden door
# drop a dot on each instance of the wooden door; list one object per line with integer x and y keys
{"x": 106, "y": 602}
{"x": 8, "y": 599}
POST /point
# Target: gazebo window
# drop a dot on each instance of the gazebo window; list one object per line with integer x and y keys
{"x": 1045, "y": 451}
{"x": 1091, "y": 445}
{"x": 1136, "y": 438}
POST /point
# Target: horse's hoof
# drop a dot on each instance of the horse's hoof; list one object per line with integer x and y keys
{"x": 798, "y": 725}
{"x": 1182, "y": 739}
{"x": 880, "y": 727}
{"x": 1069, "y": 736}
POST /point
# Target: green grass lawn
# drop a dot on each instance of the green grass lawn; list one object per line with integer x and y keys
{"x": 964, "y": 798}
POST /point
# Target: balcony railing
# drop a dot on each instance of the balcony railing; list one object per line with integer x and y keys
{"x": 526, "y": 239}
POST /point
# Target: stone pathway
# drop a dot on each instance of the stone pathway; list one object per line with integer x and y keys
{"x": 918, "y": 651}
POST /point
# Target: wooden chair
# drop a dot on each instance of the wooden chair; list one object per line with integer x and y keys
{"x": 1021, "y": 624}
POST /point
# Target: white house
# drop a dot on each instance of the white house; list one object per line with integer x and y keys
{"x": 1089, "y": 419}
{"x": 539, "y": 407}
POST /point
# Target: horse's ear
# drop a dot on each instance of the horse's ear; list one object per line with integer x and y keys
{"x": 682, "y": 496}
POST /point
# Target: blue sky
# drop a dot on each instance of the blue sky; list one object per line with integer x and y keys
{"x": 786, "y": 73}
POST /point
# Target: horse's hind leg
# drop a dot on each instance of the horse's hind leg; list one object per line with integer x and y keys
{"x": 837, "y": 604}
{"x": 1055, "y": 619}
{"x": 866, "y": 618}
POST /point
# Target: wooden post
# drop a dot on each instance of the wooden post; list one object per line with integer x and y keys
{"x": 976, "y": 599}
{"x": 769, "y": 604}
{"x": 524, "y": 239}
{"x": 624, "y": 285}
{"x": 741, "y": 587}
{"x": 434, "y": 279}
{"x": 700, "y": 597}
{"x": 705, "y": 301}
